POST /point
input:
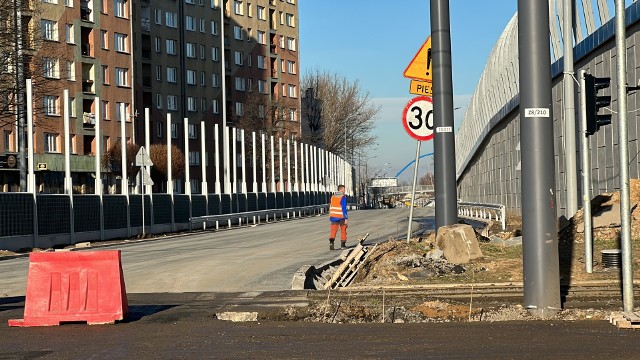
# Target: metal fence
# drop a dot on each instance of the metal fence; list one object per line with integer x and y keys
{"x": 41, "y": 221}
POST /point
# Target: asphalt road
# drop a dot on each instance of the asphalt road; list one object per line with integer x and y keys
{"x": 258, "y": 258}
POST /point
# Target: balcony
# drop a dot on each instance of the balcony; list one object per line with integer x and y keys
{"x": 88, "y": 120}
{"x": 145, "y": 24}
{"x": 85, "y": 14}
{"x": 87, "y": 86}
{"x": 86, "y": 50}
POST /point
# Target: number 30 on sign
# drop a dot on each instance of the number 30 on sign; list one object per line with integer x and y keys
{"x": 417, "y": 118}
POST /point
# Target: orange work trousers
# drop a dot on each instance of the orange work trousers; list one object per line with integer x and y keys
{"x": 343, "y": 230}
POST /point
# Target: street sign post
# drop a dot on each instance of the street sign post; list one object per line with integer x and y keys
{"x": 142, "y": 160}
{"x": 417, "y": 118}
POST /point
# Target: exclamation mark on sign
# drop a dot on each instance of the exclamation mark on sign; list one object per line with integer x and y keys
{"x": 428, "y": 61}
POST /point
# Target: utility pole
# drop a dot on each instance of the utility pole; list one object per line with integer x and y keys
{"x": 539, "y": 232}
{"x": 444, "y": 140}
{"x": 569, "y": 111}
{"x": 19, "y": 78}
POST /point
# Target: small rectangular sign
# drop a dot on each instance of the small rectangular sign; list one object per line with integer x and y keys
{"x": 536, "y": 112}
{"x": 418, "y": 87}
{"x": 444, "y": 129}
{"x": 42, "y": 166}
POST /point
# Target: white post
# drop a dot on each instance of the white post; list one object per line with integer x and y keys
{"x": 187, "y": 165}
{"x": 288, "y": 165}
{"x": 253, "y": 144}
{"x": 216, "y": 139}
{"x": 314, "y": 168}
{"x": 170, "y": 172}
{"x": 295, "y": 162}
{"x": 31, "y": 181}
{"x": 98, "y": 181}
{"x": 203, "y": 157}
{"x": 234, "y": 162}
{"x": 225, "y": 130}
{"x": 67, "y": 165}
{"x": 123, "y": 155}
{"x": 147, "y": 143}
{"x": 273, "y": 166}
{"x": 307, "y": 184}
{"x": 244, "y": 163}
{"x": 280, "y": 167}
{"x": 264, "y": 165}
{"x": 302, "y": 166}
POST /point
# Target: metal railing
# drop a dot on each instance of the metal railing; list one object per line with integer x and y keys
{"x": 256, "y": 215}
{"x": 483, "y": 212}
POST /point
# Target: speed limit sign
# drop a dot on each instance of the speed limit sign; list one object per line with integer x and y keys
{"x": 417, "y": 118}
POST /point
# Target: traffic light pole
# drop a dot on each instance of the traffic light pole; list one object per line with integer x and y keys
{"x": 539, "y": 225}
{"x": 443, "y": 140}
{"x": 586, "y": 177}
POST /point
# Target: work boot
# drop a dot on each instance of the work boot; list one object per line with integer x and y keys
{"x": 331, "y": 247}
{"x": 343, "y": 244}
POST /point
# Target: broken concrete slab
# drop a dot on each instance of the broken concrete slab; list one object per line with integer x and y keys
{"x": 240, "y": 316}
{"x": 608, "y": 216}
{"x": 459, "y": 243}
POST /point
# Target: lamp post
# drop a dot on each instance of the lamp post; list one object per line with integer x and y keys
{"x": 345, "y": 145}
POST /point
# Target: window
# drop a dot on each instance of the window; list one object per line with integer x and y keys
{"x": 120, "y": 42}
{"x": 174, "y": 130}
{"x": 159, "y": 102}
{"x": 249, "y": 10}
{"x": 238, "y": 56}
{"x": 240, "y": 84}
{"x": 203, "y": 25}
{"x": 191, "y": 50}
{"x": 171, "y": 19}
{"x": 50, "y": 68}
{"x": 68, "y": 3}
{"x": 215, "y": 80}
{"x": 172, "y": 74}
{"x": 50, "y": 143}
{"x": 214, "y": 54}
{"x": 70, "y": 34}
{"x": 159, "y": 72}
{"x": 261, "y": 62}
{"x": 49, "y": 30}
{"x": 171, "y": 47}
{"x": 120, "y": 8}
{"x": 239, "y": 109}
{"x": 262, "y": 13}
{"x": 158, "y": 16}
{"x": 194, "y": 158}
{"x": 293, "y": 92}
{"x": 262, "y": 86}
{"x": 214, "y": 4}
{"x": 214, "y": 28}
{"x": 158, "y": 44}
{"x": 172, "y": 102}
{"x": 51, "y": 105}
{"x": 191, "y": 77}
{"x": 72, "y": 107}
{"x": 238, "y": 9}
{"x": 122, "y": 77}
{"x": 50, "y": 1}
{"x": 71, "y": 71}
{"x": 261, "y": 111}
{"x": 122, "y": 110}
{"x": 104, "y": 40}
{"x": 202, "y": 52}
{"x": 292, "y": 115}
{"x": 291, "y": 44}
{"x": 193, "y": 131}
{"x": 191, "y": 104}
{"x": 215, "y": 107}
{"x": 282, "y": 41}
{"x": 203, "y": 104}
{"x": 159, "y": 128}
{"x": 104, "y": 110}
{"x": 190, "y": 23}
{"x": 7, "y": 140}
{"x": 190, "y": 2}
{"x": 237, "y": 32}
{"x": 290, "y": 20}
{"x": 105, "y": 75}
{"x": 203, "y": 78}
{"x": 262, "y": 37}
{"x": 291, "y": 67}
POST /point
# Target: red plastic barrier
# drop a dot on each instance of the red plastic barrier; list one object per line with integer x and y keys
{"x": 74, "y": 287}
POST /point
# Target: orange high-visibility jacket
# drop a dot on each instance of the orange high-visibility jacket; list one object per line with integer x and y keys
{"x": 338, "y": 207}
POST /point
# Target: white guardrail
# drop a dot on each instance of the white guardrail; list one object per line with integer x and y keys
{"x": 483, "y": 212}
{"x": 209, "y": 220}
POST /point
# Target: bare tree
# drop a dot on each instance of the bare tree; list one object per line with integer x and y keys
{"x": 112, "y": 160}
{"x": 159, "y": 170}
{"x": 345, "y": 113}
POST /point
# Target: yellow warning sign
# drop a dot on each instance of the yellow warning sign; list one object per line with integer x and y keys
{"x": 420, "y": 88}
{"x": 420, "y": 66}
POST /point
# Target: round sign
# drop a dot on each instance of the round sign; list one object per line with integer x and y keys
{"x": 417, "y": 118}
{"x": 12, "y": 161}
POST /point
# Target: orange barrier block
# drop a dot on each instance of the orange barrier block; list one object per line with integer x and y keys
{"x": 74, "y": 287}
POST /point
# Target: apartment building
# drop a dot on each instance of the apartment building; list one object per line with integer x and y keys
{"x": 83, "y": 47}
{"x": 179, "y": 70}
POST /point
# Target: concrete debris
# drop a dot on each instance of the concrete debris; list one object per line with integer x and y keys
{"x": 459, "y": 243}
{"x": 237, "y": 316}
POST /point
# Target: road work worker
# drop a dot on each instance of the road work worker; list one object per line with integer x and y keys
{"x": 338, "y": 218}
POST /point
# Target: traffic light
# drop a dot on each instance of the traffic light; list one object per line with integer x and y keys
{"x": 594, "y": 102}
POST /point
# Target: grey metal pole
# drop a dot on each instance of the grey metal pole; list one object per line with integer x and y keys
{"x": 539, "y": 232}
{"x": 569, "y": 111}
{"x": 623, "y": 147}
{"x": 444, "y": 140}
{"x": 413, "y": 189}
{"x": 20, "y": 110}
{"x": 586, "y": 179}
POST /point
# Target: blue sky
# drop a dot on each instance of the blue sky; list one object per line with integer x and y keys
{"x": 374, "y": 41}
